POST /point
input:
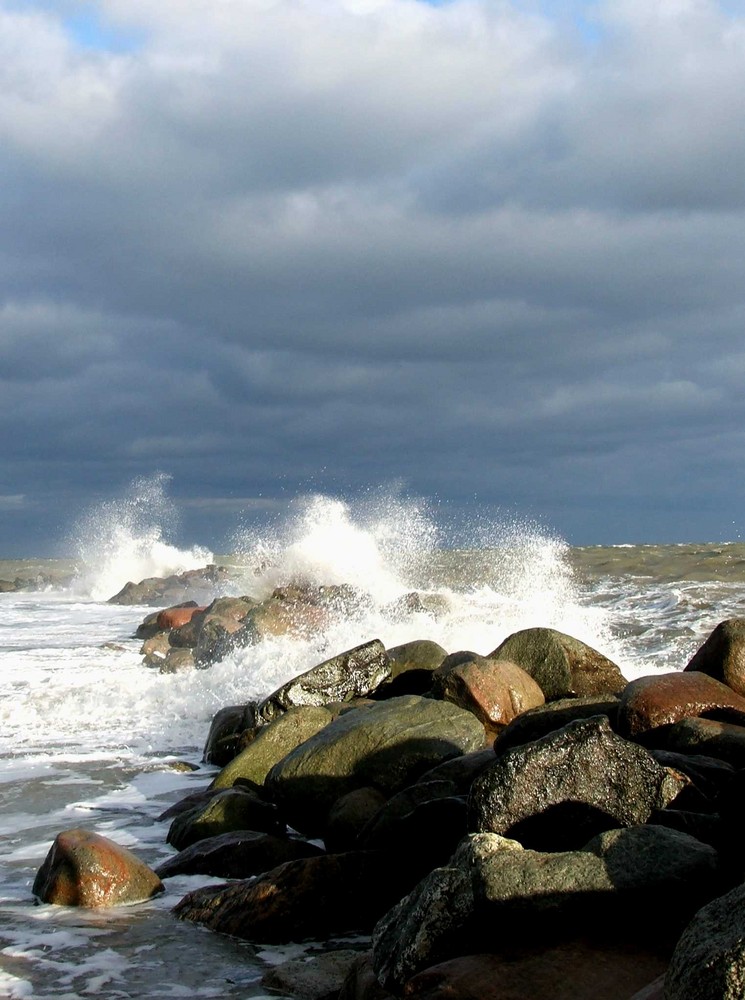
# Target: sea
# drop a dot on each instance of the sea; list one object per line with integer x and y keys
{"x": 92, "y": 738}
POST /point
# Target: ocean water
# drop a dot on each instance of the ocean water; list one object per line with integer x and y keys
{"x": 90, "y": 737}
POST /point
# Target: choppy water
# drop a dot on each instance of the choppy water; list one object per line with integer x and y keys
{"x": 88, "y": 736}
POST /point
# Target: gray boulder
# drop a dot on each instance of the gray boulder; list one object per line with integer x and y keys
{"x": 557, "y": 792}
{"x": 493, "y": 896}
{"x": 709, "y": 959}
{"x": 352, "y": 674}
{"x": 562, "y": 665}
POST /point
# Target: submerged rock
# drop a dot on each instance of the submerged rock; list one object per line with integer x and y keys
{"x": 86, "y": 869}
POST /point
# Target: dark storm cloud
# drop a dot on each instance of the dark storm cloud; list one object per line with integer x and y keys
{"x": 482, "y": 250}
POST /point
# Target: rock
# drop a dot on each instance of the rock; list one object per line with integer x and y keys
{"x": 361, "y": 982}
{"x": 562, "y": 665}
{"x": 461, "y": 771}
{"x": 353, "y": 674}
{"x": 710, "y": 777}
{"x": 662, "y": 699}
{"x": 176, "y": 660}
{"x": 237, "y": 855}
{"x": 229, "y": 612}
{"x": 496, "y": 691}
{"x": 348, "y": 816}
{"x": 629, "y": 886}
{"x": 155, "y": 649}
{"x": 175, "y": 589}
{"x": 722, "y": 656}
{"x": 314, "y": 977}
{"x": 709, "y": 960}
{"x": 230, "y": 727}
{"x": 700, "y": 736}
{"x": 572, "y": 970}
{"x": 425, "y": 836}
{"x": 272, "y": 743}
{"x": 420, "y": 654}
{"x": 386, "y": 746}
{"x": 309, "y": 898}
{"x": 229, "y": 810}
{"x": 179, "y": 615}
{"x": 149, "y": 626}
{"x": 560, "y": 790}
{"x": 85, "y": 869}
{"x": 545, "y": 719}
{"x": 412, "y": 667}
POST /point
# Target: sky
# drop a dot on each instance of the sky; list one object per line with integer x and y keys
{"x": 483, "y": 253}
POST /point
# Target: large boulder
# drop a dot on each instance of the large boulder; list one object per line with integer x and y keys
{"x": 352, "y": 674}
{"x": 226, "y": 811}
{"x": 272, "y": 743}
{"x": 496, "y": 691}
{"x": 557, "y": 792}
{"x": 308, "y": 898}
{"x": 86, "y": 869}
{"x": 662, "y": 699}
{"x": 562, "y": 665}
{"x": 709, "y": 959}
{"x": 318, "y": 976}
{"x": 626, "y": 885}
{"x": 237, "y": 855}
{"x": 722, "y": 656}
{"x": 386, "y": 746}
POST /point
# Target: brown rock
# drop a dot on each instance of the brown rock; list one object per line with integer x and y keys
{"x": 174, "y": 617}
{"x": 721, "y": 740}
{"x": 662, "y": 699}
{"x": 85, "y": 869}
{"x": 574, "y": 970}
{"x": 722, "y": 656}
{"x": 496, "y": 691}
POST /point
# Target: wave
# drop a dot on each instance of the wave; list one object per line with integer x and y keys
{"x": 125, "y": 539}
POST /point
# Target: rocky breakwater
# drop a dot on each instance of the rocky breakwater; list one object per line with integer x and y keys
{"x": 521, "y": 824}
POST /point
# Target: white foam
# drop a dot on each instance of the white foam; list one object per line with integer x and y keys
{"x": 125, "y": 539}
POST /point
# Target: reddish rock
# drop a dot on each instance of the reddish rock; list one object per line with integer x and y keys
{"x": 570, "y": 971}
{"x": 663, "y": 699}
{"x": 722, "y": 656}
{"x": 175, "y": 617}
{"x": 85, "y": 869}
{"x": 496, "y": 691}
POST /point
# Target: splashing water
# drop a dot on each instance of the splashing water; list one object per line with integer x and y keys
{"x": 324, "y": 541}
{"x": 123, "y": 539}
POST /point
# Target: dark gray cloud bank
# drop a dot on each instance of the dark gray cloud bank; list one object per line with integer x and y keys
{"x": 272, "y": 246}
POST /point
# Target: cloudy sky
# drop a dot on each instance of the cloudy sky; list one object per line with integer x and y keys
{"x": 490, "y": 254}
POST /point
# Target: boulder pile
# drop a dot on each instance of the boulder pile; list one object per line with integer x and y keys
{"x": 521, "y": 824}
